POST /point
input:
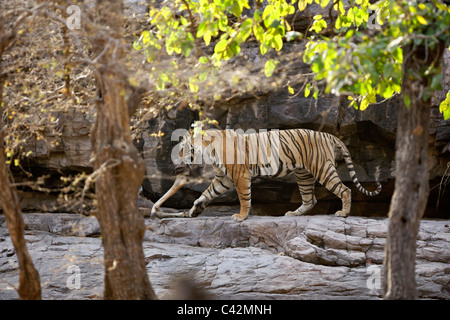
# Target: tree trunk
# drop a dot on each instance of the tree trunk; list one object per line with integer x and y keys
{"x": 411, "y": 178}
{"x": 29, "y": 282}
{"x": 119, "y": 166}
{"x": 408, "y": 202}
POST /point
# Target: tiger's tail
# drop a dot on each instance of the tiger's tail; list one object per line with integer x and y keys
{"x": 352, "y": 172}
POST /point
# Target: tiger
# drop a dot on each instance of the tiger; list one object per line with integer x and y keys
{"x": 238, "y": 157}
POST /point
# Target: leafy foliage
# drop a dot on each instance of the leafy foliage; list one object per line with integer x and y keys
{"x": 364, "y": 65}
{"x": 445, "y": 107}
{"x": 223, "y": 28}
{"x": 347, "y": 53}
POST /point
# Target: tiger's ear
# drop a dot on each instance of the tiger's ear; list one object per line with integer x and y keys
{"x": 192, "y": 134}
{"x": 196, "y": 132}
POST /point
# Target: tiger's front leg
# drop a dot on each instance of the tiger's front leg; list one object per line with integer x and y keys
{"x": 198, "y": 207}
{"x": 219, "y": 185}
{"x": 243, "y": 188}
{"x": 305, "y": 182}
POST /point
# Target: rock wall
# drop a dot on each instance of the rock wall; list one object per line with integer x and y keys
{"x": 317, "y": 257}
{"x": 369, "y": 135}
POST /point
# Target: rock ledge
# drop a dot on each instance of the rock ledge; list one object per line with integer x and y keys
{"x": 308, "y": 257}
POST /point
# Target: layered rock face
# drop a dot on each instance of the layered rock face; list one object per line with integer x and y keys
{"x": 369, "y": 135}
{"x": 308, "y": 257}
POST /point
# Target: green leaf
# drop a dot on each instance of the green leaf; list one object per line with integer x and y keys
{"x": 436, "y": 82}
{"x": 324, "y": 3}
{"x": 446, "y": 114}
{"x": 207, "y": 37}
{"x": 388, "y": 70}
{"x": 307, "y": 90}
{"x": 318, "y": 25}
{"x": 145, "y": 37}
{"x": 278, "y": 42}
{"x": 187, "y": 44}
{"x": 398, "y": 55}
{"x": 221, "y": 46}
{"x": 193, "y": 86}
{"x": 364, "y": 103}
{"x": 203, "y": 60}
{"x": 269, "y": 67}
{"x": 223, "y": 23}
{"x": 339, "y": 7}
{"x": 385, "y": 90}
{"x": 246, "y": 26}
{"x": 263, "y": 47}
{"x": 161, "y": 81}
{"x": 302, "y": 4}
{"x": 275, "y": 24}
{"x": 406, "y": 100}
{"x": 349, "y": 34}
{"x": 268, "y": 15}
{"x": 235, "y": 48}
{"x": 444, "y": 107}
{"x": 290, "y": 89}
{"x": 258, "y": 31}
{"x": 137, "y": 45}
{"x": 184, "y": 21}
{"x": 202, "y": 76}
{"x": 201, "y": 29}
{"x": 372, "y": 97}
{"x": 316, "y": 67}
{"x": 421, "y": 19}
{"x": 237, "y": 9}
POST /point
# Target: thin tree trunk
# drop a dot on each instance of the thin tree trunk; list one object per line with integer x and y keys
{"x": 408, "y": 202}
{"x": 120, "y": 168}
{"x": 411, "y": 178}
{"x": 29, "y": 282}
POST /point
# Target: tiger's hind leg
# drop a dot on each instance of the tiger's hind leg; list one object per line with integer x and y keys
{"x": 306, "y": 182}
{"x": 330, "y": 180}
{"x": 243, "y": 188}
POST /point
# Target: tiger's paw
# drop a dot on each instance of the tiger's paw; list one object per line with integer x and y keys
{"x": 238, "y": 217}
{"x": 304, "y": 208}
{"x": 341, "y": 213}
{"x": 191, "y": 214}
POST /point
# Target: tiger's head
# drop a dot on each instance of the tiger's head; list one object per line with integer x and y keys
{"x": 188, "y": 152}
{"x": 197, "y": 147}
